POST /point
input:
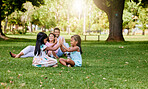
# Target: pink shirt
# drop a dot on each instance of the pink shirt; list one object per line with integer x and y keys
{"x": 50, "y": 44}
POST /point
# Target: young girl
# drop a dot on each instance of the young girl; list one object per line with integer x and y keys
{"x": 75, "y": 50}
{"x": 52, "y": 42}
{"x": 41, "y": 59}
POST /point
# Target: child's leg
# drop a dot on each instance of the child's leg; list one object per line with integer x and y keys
{"x": 71, "y": 62}
{"x": 63, "y": 61}
{"x": 49, "y": 53}
{"x": 54, "y": 54}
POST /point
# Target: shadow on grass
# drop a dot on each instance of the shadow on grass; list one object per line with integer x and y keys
{"x": 114, "y": 43}
{"x": 18, "y": 40}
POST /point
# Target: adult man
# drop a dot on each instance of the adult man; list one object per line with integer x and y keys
{"x": 57, "y": 33}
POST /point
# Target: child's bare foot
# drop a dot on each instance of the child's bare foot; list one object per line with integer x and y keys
{"x": 55, "y": 65}
{"x": 12, "y": 54}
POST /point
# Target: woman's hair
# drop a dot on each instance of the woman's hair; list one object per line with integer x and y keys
{"x": 39, "y": 41}
{"x": 78, "y": 38}
{"x": 53, "y": 35}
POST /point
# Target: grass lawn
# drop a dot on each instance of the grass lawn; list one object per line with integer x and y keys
{"x": 106, "y": 65}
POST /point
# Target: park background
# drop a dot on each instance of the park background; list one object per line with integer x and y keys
{"x": 106, "y": 64}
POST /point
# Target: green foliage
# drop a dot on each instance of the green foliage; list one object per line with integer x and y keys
{"x": 130, "y": 11}
{"x": 105, "y": 66}
{"x": 134, "y": 14}
{"x": 17, "y": 31}
{"x": 21, "y": 31}
{"x": 65, "y": 13}
{"x": 15, "y": 18}
{"x": 9, "y": 6}
{"x": 127, "y": 18}
{"x": 62, "y": 14}
{"x": 143, "y": 17}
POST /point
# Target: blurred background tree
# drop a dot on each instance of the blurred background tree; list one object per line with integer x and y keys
{"x": 78, "y": 16}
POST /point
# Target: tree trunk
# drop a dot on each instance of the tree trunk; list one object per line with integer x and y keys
{"x": 115, "y": 26}
{"x": 31, "y": 27}
{"x": 10, "y": 28}
{"x": 143, "y": 32}
{"x": 35, "y": 28}
{"x": 5, "y": 27}
{"x": 114, "y": 10}
{"x": 128, "y": 32}
{"x": 2, "y": 35}
{"x": 13, "y": 28}
{"x": 16, "y": 27}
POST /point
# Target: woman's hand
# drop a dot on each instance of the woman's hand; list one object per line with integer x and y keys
{"x": 56, "y": 40}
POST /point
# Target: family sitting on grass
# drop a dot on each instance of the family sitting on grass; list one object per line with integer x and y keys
{"x": 50, "y": 48}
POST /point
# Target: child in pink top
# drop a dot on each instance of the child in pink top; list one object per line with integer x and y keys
{"x": 52, "y": 43}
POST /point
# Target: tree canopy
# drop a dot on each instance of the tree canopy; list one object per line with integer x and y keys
{"x": 78, "y": 16}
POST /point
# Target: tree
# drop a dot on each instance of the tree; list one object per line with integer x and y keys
{"x": 143, "y": 18}
{"x": 114, "y": 11}
{"x": 9, "y": 6}
{"x": 129, "y": 15}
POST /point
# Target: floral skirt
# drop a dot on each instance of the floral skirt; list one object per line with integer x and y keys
{"x": 39, "y": 61}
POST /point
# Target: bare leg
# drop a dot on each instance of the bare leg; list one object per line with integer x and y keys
{"x": 63, "y": 61}
{"x": 12, "y": 54}
{"x": 71, "y": 62}
{"x": 18, "y": 55}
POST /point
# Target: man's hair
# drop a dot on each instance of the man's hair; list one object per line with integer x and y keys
{"x": 56, "y": 29}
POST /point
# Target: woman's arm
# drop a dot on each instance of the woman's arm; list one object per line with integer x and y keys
{"x": 71, "y": 49}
